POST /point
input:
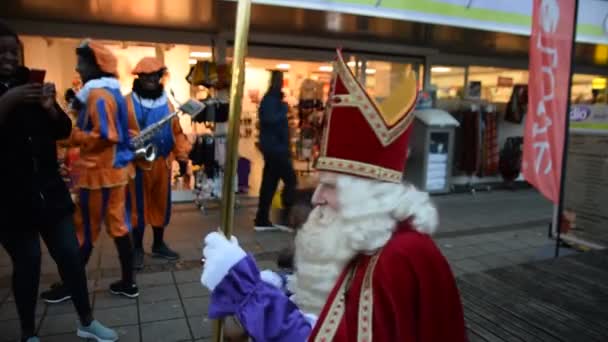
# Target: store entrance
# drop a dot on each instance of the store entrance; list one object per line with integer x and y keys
{"x": 306, "y": 87}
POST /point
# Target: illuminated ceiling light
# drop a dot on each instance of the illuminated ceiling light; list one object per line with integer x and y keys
{"x": 198, "y": 54}
{"x": 283, "y": 66}
{"x": 370, "y": 71}
{"x": 440, "y": 69}
{"x": 326, "y": 68}
{"x": 192, "y": 61}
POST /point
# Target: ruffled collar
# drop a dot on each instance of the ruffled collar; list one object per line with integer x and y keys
{"x": 104, "y": 82}
{"x": 150, "y": 103}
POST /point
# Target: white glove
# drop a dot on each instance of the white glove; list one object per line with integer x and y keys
{"x": 220, "y": 256}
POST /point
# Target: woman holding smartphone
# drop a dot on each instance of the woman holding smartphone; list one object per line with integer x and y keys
{"x": 34, "y": 200}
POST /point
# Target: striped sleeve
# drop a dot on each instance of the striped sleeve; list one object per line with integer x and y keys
{"x": 102, "y": 113}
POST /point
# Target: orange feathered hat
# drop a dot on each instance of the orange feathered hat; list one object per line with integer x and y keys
{"x": 105, "y": 59}
{"x": 148, "y": 65}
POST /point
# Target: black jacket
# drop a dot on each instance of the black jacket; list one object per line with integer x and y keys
{"x": 33, "y": 191}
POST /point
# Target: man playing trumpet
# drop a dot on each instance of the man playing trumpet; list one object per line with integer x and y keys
{"x": 151, "y": 188}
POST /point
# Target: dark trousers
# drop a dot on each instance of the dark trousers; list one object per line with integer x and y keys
{"x": 275, "y": 168}
{"x": 23, "y": 246}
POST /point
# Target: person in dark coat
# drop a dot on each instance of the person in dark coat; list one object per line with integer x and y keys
{"x": 274, "y": 144}
{"x": 35, "y": 201}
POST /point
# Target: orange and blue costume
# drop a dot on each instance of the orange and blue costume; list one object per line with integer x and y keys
{"x": 151, "y": 188}
{"x": 102, "y": 133}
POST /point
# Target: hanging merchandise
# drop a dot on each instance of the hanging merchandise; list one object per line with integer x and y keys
{"x": 220, "y": 150}
{"x": 203, "y": 154}
{"x": 216, "y": 110}
{"x": 470, "y": 141}
{"x": 243, "y": 169}
{"x": 489, "y": 158}
{"x": 477, "y": 140}
{"x": 210, "y": 75}
{"x": 518, "y": 104}
{"x": 310, "y": 113}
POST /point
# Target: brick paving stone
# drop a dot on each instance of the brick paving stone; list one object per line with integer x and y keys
{"x": 196, "y": 306}
{"x": 470, "y": 265}
{"x": 8, "y": 310}
{"x": 201, "y": 326}
{"x": 166, "y": 331}
{"x": 10, "y": 330}
{"x": 187, "y": 276}
{"x": 157, "y": 294}
{"x": 154, "y": 279}
{"x": 104, "y": 300}
{"x": 161, "y": 311}
{"x": 59, "y": 324}
{"x": 114, "y": 317}
{"x": 192, "y": 290}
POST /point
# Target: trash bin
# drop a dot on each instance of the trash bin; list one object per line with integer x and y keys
{"x": 431, "y": 150}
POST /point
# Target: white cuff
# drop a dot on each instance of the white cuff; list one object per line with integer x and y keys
{"x": 272, "y": 278}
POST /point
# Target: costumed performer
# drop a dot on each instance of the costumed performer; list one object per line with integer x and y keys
{"x": 151, "y": 188}
{"x": 366, "y": 267}
{"x": 102, "y": 135}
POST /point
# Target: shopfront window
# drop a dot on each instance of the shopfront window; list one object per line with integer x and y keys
{"x": 381, "y": 78}
{"x": 496, "y": 84}
{"x": 588, "y": 89}
{"x": 448, "y": 81}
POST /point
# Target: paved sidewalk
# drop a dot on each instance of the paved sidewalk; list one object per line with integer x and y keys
{"x": 479, "y": 232}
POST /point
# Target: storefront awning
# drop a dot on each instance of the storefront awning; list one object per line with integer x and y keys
{"x": 320, "y": 24}
{"x": 507, "y": 16}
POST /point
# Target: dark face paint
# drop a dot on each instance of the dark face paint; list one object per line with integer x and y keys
{"x": 149, "y": 82}
{"x": 86, "y": 69}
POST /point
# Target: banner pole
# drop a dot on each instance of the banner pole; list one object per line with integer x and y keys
{"x": 560, "y": 207}
{"x": 243, "y": 14}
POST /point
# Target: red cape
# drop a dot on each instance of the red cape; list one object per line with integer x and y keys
{"x": 406, "y": 292}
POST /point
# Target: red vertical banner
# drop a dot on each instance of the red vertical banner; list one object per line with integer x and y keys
{"x": 548, "y": 91}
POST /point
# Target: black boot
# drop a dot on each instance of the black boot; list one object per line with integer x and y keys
{"x": 160, "y": 248}
{"x": 126, "y": 286}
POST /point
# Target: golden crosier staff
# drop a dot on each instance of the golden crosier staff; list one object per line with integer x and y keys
{"x": 236, "y": 96}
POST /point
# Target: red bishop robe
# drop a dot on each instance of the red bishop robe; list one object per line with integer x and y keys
{"x": 405, "y": 292}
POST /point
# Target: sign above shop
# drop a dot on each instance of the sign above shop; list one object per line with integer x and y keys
{"x": 589, "y": 117}
{"x": 509, "y": 16}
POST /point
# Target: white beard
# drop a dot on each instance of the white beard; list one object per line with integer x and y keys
{"x": 370, "y": 211}
{"x": 324, "y": 246}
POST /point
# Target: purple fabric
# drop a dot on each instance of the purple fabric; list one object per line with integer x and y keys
{"x": 263, "y": 310}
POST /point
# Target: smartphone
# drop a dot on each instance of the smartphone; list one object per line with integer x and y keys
{"x": 37, "y": 76}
